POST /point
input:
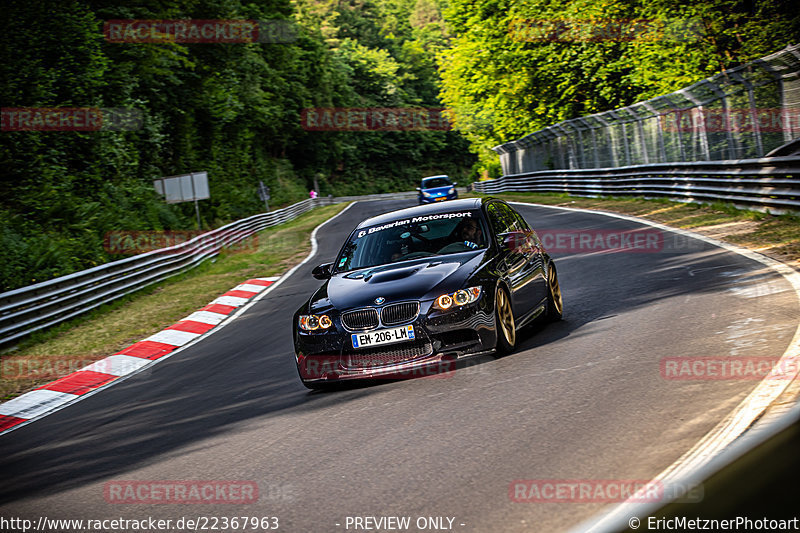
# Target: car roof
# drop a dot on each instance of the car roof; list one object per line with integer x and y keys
{"x": 437, "y": 176}
{"x": 423, "y": 210}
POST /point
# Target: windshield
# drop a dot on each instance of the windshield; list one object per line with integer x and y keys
{"x": 412, "y": 238}
{"x": 432, "y": 183}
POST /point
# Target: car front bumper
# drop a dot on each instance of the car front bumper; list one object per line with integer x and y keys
{"x": 441, "y": 340}
{"x": 439, "y": 198}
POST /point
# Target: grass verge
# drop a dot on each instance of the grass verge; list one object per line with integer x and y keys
{"x": 48, "y": 355}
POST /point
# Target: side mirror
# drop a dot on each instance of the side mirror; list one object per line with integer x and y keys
{"x": 418, "y": 189}
{"x": 516, "y": 241}
{"x": 322, "y": 271}
{"x": 512, "y": 240}
{"x": 455, "y": 183}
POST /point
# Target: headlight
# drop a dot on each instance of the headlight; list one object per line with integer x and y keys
{"x": 457, "y": 299}
{"x": 426, "y": 194}
{"x": 315, "y": 322}
{"x": 452, "y": 190}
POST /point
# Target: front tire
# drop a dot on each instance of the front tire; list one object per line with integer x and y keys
{"x": 555, "y": 306}
{"x": 504, "y": 320}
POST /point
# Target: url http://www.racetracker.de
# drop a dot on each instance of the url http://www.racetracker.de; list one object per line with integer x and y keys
{"x": 123, "y": 525}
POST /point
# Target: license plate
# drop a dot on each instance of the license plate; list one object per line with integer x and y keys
{"x": 441, "y": 198}
{"x": 383, "y": 336}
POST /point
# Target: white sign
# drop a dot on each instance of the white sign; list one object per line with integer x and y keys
{"x": 185, "y": 188}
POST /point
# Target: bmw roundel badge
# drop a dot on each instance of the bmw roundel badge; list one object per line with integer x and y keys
{"x": 379, "y": 300}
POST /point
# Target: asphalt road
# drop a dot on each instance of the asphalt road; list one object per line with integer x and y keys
{"x": 582, "y": 399}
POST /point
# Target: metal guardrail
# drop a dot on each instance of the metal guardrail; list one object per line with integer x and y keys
{"x": 767, "y": 183}
{"x": 743, "y": 112}
{"x": 36, "y": 307}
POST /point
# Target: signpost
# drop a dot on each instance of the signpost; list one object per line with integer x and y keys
{"x": 184, "y": 188}
{"x": 263, "y": 193}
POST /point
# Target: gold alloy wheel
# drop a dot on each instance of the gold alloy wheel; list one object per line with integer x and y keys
{"x": 506, "y": 317}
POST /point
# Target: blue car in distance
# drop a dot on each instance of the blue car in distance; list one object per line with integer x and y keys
{"x": 436, "y": 189}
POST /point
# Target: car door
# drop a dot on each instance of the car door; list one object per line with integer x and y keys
{"x": 529, "y": 276}
{"x": 511, "y": 260}
{"x": 534, "y": 281}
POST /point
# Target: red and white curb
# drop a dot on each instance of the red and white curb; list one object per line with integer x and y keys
{"x": 100, "y": 374}
{"x": 57, "y": 394}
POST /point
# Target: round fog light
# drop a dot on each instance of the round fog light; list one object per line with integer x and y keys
{"x": 461, "y": 297}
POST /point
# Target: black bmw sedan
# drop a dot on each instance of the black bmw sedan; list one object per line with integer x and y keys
{"x": 419, "y": 288}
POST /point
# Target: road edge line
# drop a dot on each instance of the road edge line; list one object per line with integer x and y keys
{"x": 749, "y": 410}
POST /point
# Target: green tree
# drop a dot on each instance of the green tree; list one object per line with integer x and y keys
{"x": 512, "y": 69}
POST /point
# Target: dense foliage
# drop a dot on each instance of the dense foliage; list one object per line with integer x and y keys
{"x": 503, "y": 68}
{"x": 232, "y": 110}
{"x": 518, "y": 66}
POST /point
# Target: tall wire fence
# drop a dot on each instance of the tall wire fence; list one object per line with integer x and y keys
{"x": 741, "y": 113}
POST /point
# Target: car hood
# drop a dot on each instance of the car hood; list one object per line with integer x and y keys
{"x": 414, "y": 280}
